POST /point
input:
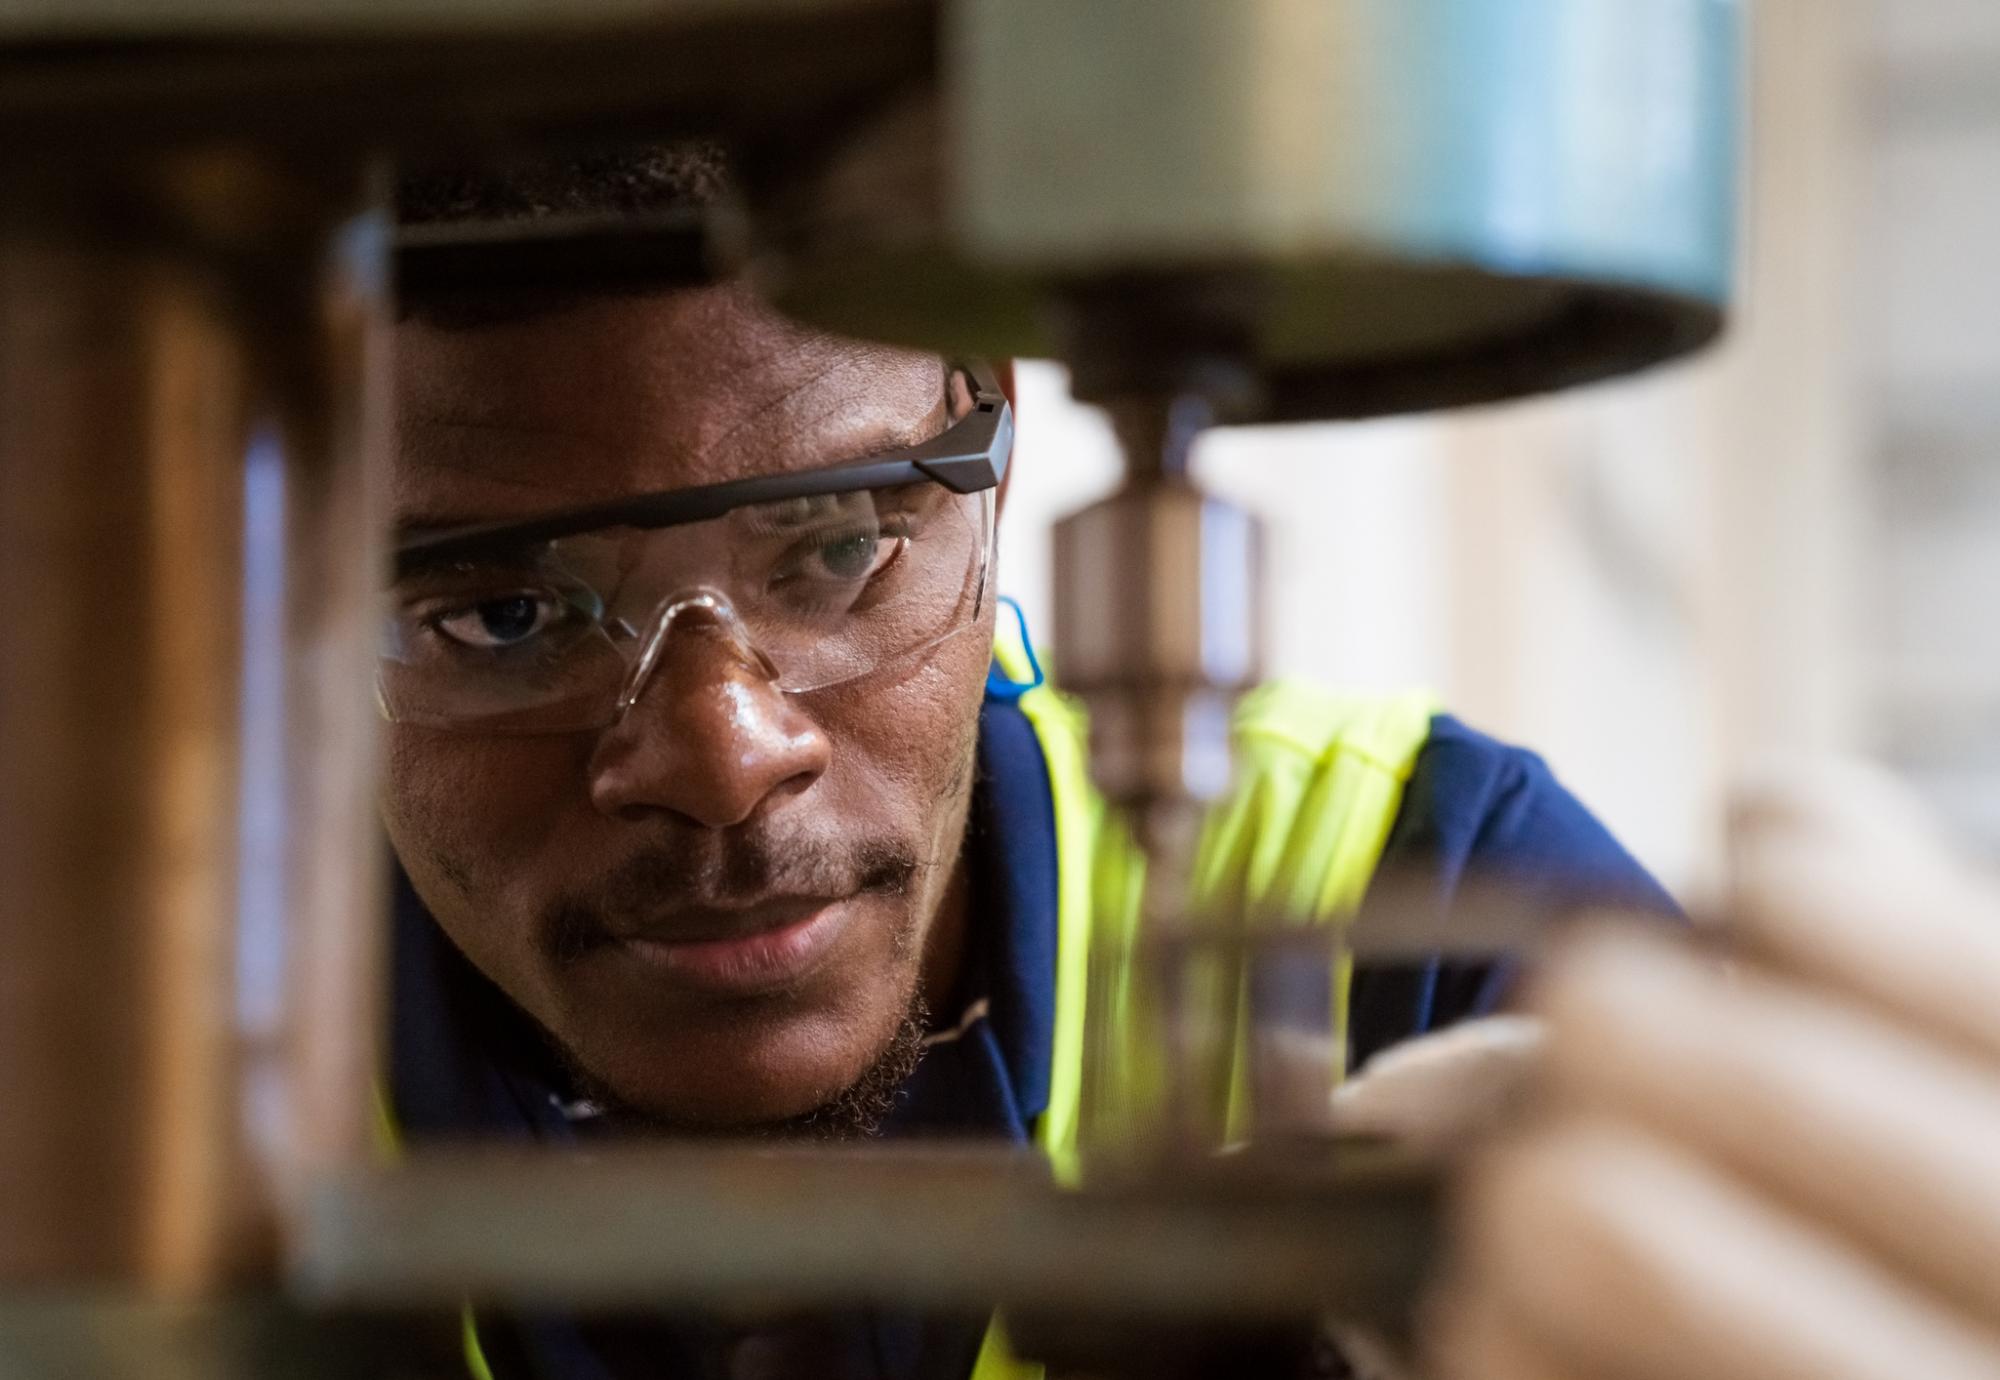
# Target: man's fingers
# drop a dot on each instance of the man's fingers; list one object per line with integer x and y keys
{"x": 1437, "y": 1090}
{"x": 1785, "y": 1173}
{"x": 1887, "y": 1138}
{"x": 1841, "y": 881}
{"x": 1632, "y": 1258}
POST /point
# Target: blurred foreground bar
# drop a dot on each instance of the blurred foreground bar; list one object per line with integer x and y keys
{"x": 187, "y": 967}
{"x": 1258, "y": 1236}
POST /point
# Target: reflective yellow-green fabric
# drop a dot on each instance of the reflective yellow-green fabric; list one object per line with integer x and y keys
{"x": 1320, "y": 779}
{"x": 997, "y": 1360}
{"x": 475, "y": 1354}
{"x": 1319, "y": 782}
{"x": 1086, "y": 886}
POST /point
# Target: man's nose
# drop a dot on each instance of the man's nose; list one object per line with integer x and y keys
{"x": 710, "y": 738}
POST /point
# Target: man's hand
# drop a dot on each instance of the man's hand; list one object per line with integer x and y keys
{"x": 1437, "y": 1092}
{"x": 1787, "y": 1168}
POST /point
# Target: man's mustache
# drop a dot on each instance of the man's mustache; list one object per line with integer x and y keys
{"x": 720, "y": 873}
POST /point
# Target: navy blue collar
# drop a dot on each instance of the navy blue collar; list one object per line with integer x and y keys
{"x": 987, "y": 1070}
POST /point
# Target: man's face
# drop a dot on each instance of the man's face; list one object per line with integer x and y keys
{"x": 719, "y": 906}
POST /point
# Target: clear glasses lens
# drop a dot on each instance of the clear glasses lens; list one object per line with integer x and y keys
{"x": 546, "y": 638}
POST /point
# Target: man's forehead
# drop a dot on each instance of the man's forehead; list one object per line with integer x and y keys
{"x": 623, "y": 395}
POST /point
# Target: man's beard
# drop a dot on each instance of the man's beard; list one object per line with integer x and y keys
{"x": 707, "y": 868}
{"x": 856, "y": 1112}
{"x": 742, "y": 867}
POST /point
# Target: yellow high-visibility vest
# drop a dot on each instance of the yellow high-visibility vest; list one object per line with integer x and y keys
{"x": 1319, "y": 781}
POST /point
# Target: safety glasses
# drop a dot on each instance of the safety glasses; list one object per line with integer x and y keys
{"x": 556, "y": 623}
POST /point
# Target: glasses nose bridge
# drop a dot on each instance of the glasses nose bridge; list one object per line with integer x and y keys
{"x": 710, "y": 608}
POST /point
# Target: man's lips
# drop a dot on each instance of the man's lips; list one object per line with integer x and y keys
{"x": 766, "y": 947}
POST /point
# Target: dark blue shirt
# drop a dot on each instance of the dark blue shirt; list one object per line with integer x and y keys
{"x": 466, "y": 1063}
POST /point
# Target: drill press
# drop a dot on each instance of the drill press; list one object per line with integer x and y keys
{"x": 1262, "y": 210}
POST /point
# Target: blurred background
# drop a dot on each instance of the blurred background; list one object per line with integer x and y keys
{"x": 1786, "y": 547}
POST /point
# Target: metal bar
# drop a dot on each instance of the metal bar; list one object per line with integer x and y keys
{"x": 122, "y": 413}
{"x": 99, "y": 20}
{"x": 110, "y": 1337}
{"x": 317, "y": 317}
{"x": 746, "y": 69}
{"x": 175, "y": 1046}
{"x": 675, "y": 1227}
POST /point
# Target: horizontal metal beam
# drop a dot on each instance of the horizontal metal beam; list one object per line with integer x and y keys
{"x": 1343, "y": 1231}
{"x": 98, "y": 19}
{"x": 112, "y": 1336}
{"x": 600, "y": 71}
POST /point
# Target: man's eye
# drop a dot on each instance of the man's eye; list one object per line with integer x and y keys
{"x": 502, "y": 622}
{"x": 852, "y": 554}
{"x": 853, "y": 557}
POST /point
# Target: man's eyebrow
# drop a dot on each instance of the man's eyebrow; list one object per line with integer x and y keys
{"x": 931, "y": 425}
{"x": 412, "y": 525}
{"x": 928, "y": 427}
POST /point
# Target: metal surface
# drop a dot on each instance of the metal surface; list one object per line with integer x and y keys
{"x": 451, "y": 76}
{"x": 661, "y": 1227}
{"x": 116, "y": 762}
{"x": 313, "y": 975}
{"x": 1418, "y": 203}
{"x": 103, "y": 1337}
{"x": 1157, "y": 628}
{"x": 157, "y": 1023}
{"x": 154, "y": 19}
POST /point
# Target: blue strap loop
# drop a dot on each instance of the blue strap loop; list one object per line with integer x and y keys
{"x": 999, "y": 686}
